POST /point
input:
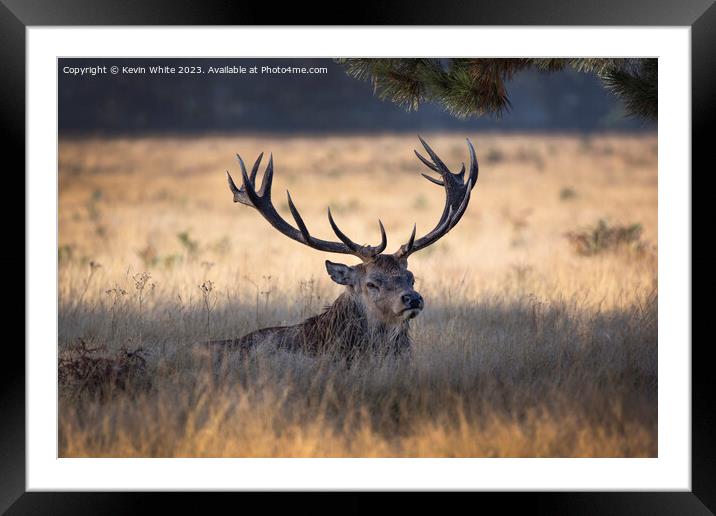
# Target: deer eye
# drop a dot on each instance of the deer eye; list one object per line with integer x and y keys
{"x": 372, "y": 285}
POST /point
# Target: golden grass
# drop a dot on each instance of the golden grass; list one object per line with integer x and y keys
{"x": 525, "y": 348}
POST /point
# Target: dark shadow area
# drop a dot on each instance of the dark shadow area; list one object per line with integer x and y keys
{"x": 556, "y": 373}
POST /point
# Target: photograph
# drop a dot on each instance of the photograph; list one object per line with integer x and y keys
{"x": 441, "y": 257}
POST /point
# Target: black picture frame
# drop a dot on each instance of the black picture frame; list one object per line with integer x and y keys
{"x": 17, "y": 15}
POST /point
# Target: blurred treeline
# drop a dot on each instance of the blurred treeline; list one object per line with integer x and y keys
{"x": 565, "y": 101}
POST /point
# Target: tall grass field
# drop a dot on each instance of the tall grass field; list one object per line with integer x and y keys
{"x": 538, "y": 337}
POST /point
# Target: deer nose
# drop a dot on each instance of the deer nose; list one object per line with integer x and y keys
{"x": 413, "y": 300}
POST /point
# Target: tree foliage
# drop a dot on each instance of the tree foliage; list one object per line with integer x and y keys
{"x": 468, "y": 87}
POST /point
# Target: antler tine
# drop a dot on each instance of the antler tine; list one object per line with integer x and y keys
{"x": 383, "y": 239}
{"x": 462, "y": 171}
{"x": 240, "y": 194}
{"x": 431, "y": 237}
{"x": 265, "y": 190}
{"x": 407, "y": 248}
{"x": 363, "y": 250}
{"x": 255, "y": 168}
{"x": 248, "y": 187}
{"x": 439, "y": 165}
{"x": 234, "y": 189}
{"x": 474, "y": 167}
{"x": 463, "y": 206}
{"x": 411, "y": 241}
{"x": 297, "y": 217}
{"x": 342, "y": 236}
{"x": 457, "y": 197}
{"x": 426, "y": 162}
{"x": 261, "y": 201}
{"x": 433, "y": 180}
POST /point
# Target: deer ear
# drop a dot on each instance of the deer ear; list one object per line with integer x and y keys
{"x": 341, "y": 274}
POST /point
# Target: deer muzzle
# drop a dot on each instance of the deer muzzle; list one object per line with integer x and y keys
{"x": 413, "y": 303}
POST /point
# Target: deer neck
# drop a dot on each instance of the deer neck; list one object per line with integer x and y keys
{"x": 349, "y": 316}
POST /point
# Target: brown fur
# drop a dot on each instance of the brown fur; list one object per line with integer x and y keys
{"x": 362, "y": 319}
{"x": 341, "y": 329}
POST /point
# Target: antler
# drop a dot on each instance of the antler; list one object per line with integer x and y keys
{"x": 457, "y": 197}
{"x": 261, "y": 200}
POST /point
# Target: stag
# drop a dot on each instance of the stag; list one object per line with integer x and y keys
{"x": 379, "y": 301}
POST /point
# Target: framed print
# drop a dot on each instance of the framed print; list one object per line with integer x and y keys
{"x": 251, "y": 287}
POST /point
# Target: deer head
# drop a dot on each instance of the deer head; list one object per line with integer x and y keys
{"x": 382, "y": 283}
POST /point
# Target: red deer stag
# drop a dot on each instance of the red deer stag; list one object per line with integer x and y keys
{"x": 379, "y": 300}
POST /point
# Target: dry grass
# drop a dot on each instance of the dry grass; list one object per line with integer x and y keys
{"x": 525, "y": 348}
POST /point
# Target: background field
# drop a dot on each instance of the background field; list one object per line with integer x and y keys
{"x": 531, "y": 343}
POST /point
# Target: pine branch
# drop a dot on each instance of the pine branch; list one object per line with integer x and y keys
{"x": 637, "y": 87}
{"x": 600, "y": 65}
{"x": 476, "y": 87}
